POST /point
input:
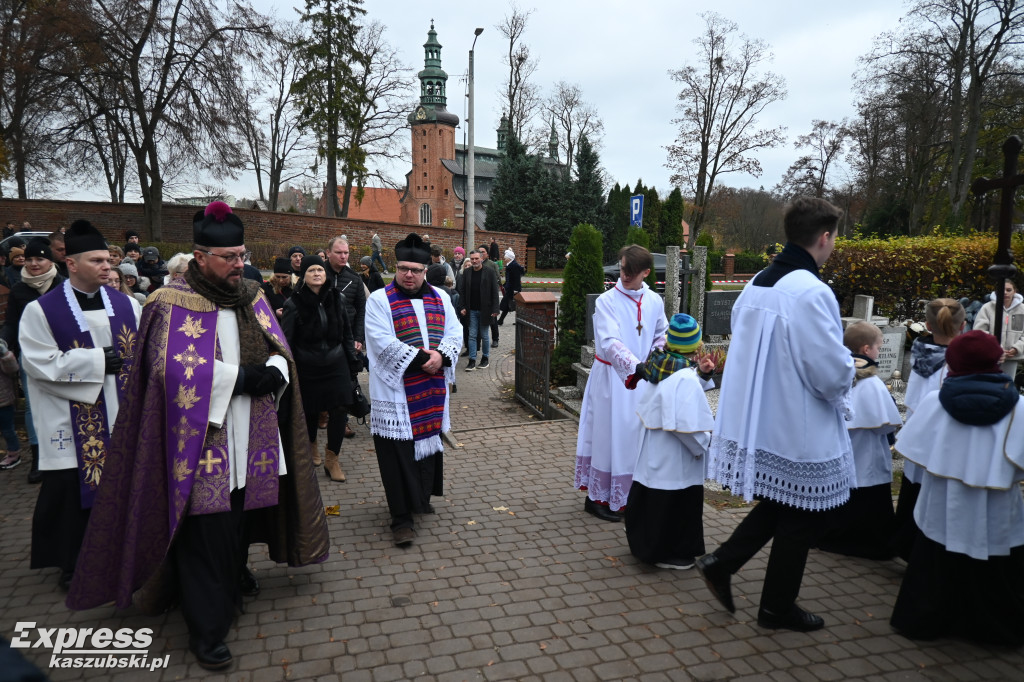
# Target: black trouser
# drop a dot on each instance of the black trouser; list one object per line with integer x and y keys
{"x": 337, "y": 418}
{"x": 408, "y": 484}
{"x": 792, "y": 532}
{"x": 208, "y": 557}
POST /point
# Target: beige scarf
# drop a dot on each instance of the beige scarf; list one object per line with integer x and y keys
{"x": 41, "y": 282}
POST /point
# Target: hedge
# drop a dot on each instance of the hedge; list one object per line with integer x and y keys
{"x": 902, "y": 271}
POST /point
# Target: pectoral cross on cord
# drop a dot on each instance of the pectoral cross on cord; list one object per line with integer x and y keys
{"x": 639, "y": 324}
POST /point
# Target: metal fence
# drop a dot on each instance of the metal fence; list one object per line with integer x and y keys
{"x": 533, "y": 366}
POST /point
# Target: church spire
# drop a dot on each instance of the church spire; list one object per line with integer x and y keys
{"x": 433, "y": 81}
{"x": 553, "y": 141}
{"x": 503, "y": 132}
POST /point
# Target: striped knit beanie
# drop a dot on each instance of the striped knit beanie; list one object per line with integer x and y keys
{"x": 683, "y": 334}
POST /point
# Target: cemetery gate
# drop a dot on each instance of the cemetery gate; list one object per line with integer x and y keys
{"x": 533, "y": 366}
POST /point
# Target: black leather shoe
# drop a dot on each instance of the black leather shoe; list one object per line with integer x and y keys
{"x": 795, "y": 619}
{"x": 717, "y": 579}
{"x": 601, "y": 511}
{"x": 248, "y": 585}
{"x": 215, "y": 658}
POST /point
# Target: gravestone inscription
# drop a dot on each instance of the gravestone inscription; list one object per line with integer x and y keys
{"x": 718, "y": 312}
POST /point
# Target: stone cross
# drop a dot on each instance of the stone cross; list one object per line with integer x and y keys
{"x": 1002, "y": 266}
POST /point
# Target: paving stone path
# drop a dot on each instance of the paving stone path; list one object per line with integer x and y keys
{"x": 509, "y": 580}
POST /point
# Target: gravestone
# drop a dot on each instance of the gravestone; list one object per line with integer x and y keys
{"x": 863, "y": 307}
{"x": 718, "y": 312}
{"x": 700, "y": 265}
{"x": 890, "y": 359}
{"x": 671, "y": 281}
{"x": 591, "y": 307}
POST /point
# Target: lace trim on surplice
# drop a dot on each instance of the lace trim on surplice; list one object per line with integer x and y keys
{"x": 392, "y": 363}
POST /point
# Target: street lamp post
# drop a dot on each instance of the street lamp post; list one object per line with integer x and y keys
{"x": 471, "y": 170}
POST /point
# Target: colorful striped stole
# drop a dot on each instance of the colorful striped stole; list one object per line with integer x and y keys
{"x": 424, "y": 393}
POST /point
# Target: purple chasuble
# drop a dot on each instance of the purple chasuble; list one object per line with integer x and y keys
{"x": 70, "y": 330}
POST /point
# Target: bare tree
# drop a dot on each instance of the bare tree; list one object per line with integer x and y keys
{"x": 974, "y": 38}
{"x": 720, "y": 101}
{"x": 809, "y": 173}
{"x": 32, "y": 43}
{"x": 574, "y": 118}
{"x": 374, "y": 132}
{"x": 520, "y": 98}
{"x": 176, "y": 63}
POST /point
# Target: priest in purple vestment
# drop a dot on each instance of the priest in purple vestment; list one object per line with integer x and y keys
{"x": 209, "y": 453}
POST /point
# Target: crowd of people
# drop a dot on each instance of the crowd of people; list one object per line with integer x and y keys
{"x": 805, "y": 427}
{"x": 178, "y": 404}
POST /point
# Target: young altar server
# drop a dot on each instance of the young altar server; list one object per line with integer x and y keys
{"x": 864, "y": 525}
{"x": 664, "y": 524}
{"x": 944, "y": 318}
{"x": 965, "y": 576}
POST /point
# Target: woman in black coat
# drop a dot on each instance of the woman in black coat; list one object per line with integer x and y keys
{"x": 38, "y": 276}
{"x": 371, "y": 278}
{"x": 317, "y": 328}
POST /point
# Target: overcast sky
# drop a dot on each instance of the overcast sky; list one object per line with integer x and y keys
{"x": 620, "y": 53}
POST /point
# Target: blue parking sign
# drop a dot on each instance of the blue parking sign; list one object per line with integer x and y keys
{"x": 636, "y": 210}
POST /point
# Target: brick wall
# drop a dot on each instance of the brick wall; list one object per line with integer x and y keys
{"x": 260, "y": 226}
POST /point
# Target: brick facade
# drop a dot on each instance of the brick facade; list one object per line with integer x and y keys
{"x": 260, "y": 226}
{"x": 430, "y": 182}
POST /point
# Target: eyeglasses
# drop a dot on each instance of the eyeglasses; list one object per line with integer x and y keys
{"x": 231, "y": 258}
{"x": 415, "y": 271}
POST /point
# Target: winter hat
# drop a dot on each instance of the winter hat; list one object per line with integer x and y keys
{"x": 128, "y": 269}
{"x": 510, "y": 255}
{"x": 975, "y": 352}
{"x": 82, "y": 236}
{"x": 39, "y": 247}
{"x": 436, "y": 274}
{"x": 15, "y": 251}
{"x": 683, "y": 334}
{"x": 151, "y": 253}
{"x": 367, "y": 261}
{"x": 308, "y": 262}
{"x": 282, "y": 266}
{"x": 460, "y": 251}
{"x": 296, "y": 249}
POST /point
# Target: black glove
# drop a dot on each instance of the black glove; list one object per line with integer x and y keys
{"x": 112, "y": 362}
{"x": 260, "y": 380}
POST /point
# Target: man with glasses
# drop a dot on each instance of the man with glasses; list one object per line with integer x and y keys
{"x": 413, "y": 337}
{"x": 211, "y": 455}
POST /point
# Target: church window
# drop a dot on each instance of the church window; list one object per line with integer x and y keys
{"x": 425, "y": 218}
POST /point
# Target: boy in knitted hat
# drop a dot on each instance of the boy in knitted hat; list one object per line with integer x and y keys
{"x": 863, "y": 526}
{"x": 965, "y": 575}
{"x": 663, "y": 518}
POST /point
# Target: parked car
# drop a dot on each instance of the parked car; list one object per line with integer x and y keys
{"x": 23, "y": 236}
{"x": 611, "y": 272}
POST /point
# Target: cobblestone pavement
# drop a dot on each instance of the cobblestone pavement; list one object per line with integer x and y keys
{"x": 509, "y": 580}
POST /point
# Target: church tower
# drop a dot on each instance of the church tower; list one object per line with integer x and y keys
{"x": 429, "y": 194}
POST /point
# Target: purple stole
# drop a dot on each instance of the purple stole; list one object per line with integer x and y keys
{"x": 199, "y": 471}
{"x": 89, "y": 426}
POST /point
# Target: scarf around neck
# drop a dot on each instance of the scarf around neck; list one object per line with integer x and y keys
{"x": 41, "y": 282}
{"x": 253, "y": 344}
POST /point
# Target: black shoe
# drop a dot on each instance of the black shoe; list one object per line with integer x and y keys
{"x": 455, "y": 388}
{"x": 404, "y": 537}
{"x": 485, "y": 362}
{"x": 471, "y": 366}
{"x": 795, "y": 619}
{"x": 215, "y": 658}
{"x": 717, "y": 580}
{"x": 248, "y": 585}
{"x": 601, "y": 511}
{"x": 494, "y": 343}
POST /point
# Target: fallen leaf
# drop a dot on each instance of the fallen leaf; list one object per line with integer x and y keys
{"x": 333, "y": 511}
{"x": 500, "y": 508}
{"x": 471, "y": 523}
{"x": 543, "y": 646}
